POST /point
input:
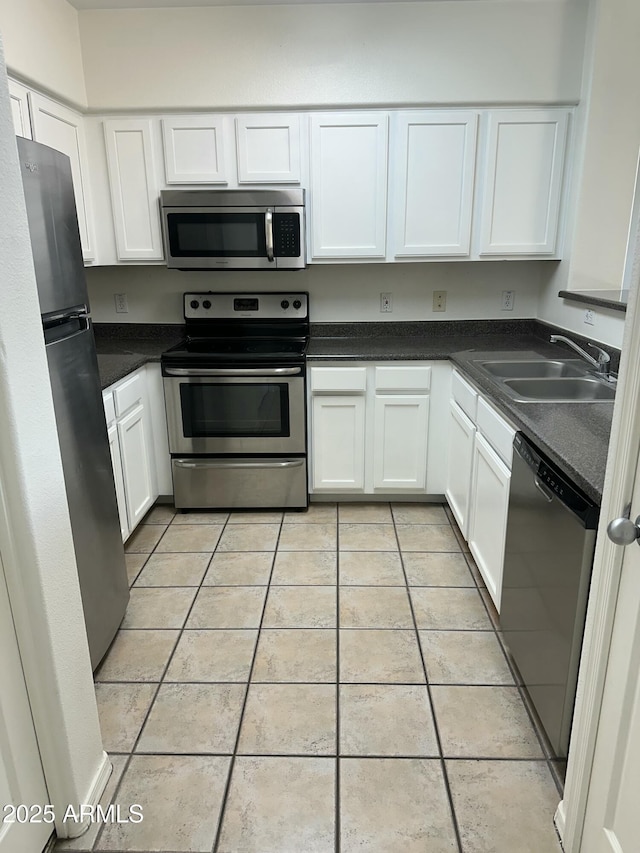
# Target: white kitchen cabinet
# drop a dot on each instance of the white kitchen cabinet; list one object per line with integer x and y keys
{"x": 433, "y": 182}
{"x": 337, "y": 428}
{"x": 136, "y": 452}
{"x": 19, "y": 97}
{"x": 349, "y": 153}
{"x": 488, "y": 523}
{"x": 400, "y": 435}
{"x": 194, "y": 149}
{"x": 134, "y": 189}
{"x": 62, "y": 129}
{"x": 118, "y": 479}
{"x": 268, "y": 149}
{"x": 479, "y": 473}
{"x": 130, "y": 431}
{"x": 458, "y": 491}
{"x": 519, "y": 211}
{"x": 372, "y": 425}
{"x": 338, "y": 443}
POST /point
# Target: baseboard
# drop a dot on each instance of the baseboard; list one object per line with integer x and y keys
{"x": 93, "y": 797}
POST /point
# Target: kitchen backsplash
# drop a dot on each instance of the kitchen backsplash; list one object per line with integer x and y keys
{"x": 346, "y": 292}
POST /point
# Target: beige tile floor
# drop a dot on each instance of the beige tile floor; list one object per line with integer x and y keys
{"x": 318, "y": 682}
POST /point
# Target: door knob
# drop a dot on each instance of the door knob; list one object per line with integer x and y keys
{"x": 623, "y": 531}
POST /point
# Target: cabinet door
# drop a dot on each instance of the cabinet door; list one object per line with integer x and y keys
{"x": 194, "y": 151}
{"x": 400, "y": 428}
{"x": 134, "y": 189}
{"x": 434, "y": 177}
{"x": 62, "y": 129}
{"x": 524, "y": 166}
{"x": 268, "y": 149}
{"x": 349, "y": 185}
{"x": 337, "y": 443}
{"x": 136, "y": 453}
{"x": 18, "y": 95}
{"x": 118, "y": 479}
{"x": 488, "y": 522}
{"x": 461, "y": 435}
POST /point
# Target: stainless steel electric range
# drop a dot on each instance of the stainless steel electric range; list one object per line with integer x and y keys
{"x": 235, "y": 399}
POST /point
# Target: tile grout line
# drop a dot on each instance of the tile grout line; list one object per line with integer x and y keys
{"x": 162, "y": 676}
{"x": 227, "y": 788}
{"x": 443, "y": 766}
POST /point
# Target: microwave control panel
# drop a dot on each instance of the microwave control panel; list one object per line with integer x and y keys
{"x": 286, "y": 235}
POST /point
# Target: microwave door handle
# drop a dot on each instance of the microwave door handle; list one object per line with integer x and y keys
{"x": 268, "y": 233}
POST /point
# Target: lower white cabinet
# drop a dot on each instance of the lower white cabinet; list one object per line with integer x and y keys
{"x": 338, "y": 444}
{"x": 400, "y": 435}
{"x": 488, "y": 523}
{"x": 371, "y": 428}
{"x": 132, "y": 448}
{"x": 458, "y": 491}
{"x": 478, "y": 478}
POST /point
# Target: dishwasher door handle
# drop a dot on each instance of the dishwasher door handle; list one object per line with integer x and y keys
{"x": 548, "y": 496}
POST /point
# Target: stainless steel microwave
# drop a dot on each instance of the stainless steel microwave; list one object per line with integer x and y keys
{"x": 234, "y": 229}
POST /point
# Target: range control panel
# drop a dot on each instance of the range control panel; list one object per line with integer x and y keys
{"x": 261, "y": 306}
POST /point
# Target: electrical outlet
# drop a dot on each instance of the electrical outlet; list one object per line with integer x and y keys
{"x": 589, "y": 317}
{"x": 439, "y": 300}
{"x": 508, "y": 298}
{"x": 386, "y": 303}
{"x": 122, "y": 305}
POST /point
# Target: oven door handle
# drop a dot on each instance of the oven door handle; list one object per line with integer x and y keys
{"x": 232, "y": 371}
{"x": 186, "y": 463}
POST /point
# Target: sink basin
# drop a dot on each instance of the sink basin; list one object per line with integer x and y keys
{"x": 567, "y": 390}
{"x": 540, "y": 368}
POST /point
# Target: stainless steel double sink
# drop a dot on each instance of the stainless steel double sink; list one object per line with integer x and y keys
{"x": 546, "y": 380}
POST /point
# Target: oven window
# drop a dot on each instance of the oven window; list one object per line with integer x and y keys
{"x": 243, "y": 410}
{"x": 217, "y": 235}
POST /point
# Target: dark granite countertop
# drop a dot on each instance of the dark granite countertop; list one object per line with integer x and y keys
{"x": 122, "y": 348}
{"x": 575, "y": 436}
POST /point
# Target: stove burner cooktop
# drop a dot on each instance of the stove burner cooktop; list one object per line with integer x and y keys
{"x": 243, "y": 346}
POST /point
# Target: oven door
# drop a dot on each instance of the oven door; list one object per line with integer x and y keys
{"x": 235, "y": 410}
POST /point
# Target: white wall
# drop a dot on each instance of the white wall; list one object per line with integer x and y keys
{"x": 225, "y": 57}
{"x": 35, "y": 532}
{"x": 337, "y": 292}
{"x": 606, "y": 156}
{"x": 42, "y": 46}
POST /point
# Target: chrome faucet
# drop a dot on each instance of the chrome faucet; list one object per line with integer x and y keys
{"x": 600, "y": 363}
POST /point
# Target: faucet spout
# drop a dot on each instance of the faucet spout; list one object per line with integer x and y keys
{"x": 600, "y": 363}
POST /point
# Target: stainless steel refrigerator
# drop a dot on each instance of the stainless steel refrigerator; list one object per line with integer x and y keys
{"x": 77, "y": 396}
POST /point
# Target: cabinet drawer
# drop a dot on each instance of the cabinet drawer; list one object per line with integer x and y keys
{"x": 464, "y": 395}
{"x": 129, "y": 393}
{"x": 496, "y": 430}
{"x": 338, "y": 380}
{"x": 109, "y": 408}
{"x": 403, "y": 378}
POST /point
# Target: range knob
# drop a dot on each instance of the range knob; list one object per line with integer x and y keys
{"x": 297, "y": 304}
{"x": 195, "y": 304}
{"x": 206, "y": 304}
{"x": 285, "y": 304}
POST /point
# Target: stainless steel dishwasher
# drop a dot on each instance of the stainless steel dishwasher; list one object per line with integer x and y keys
{"x": 551, "y": 531}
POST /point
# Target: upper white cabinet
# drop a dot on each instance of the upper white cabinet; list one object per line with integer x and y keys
{"x": 523, "y": 177}
{"x": 349, "y": 185}
{"x": 433, "y": 182}
{"x": 194, "y": 150}
{"x": 62, "y": 129}
{"x": 18, "y": 95}
{"x": 134, "y": 189}
{"x": 268, "y": 148}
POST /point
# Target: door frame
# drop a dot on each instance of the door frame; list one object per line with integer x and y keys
{"x": 622, "y": 460}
